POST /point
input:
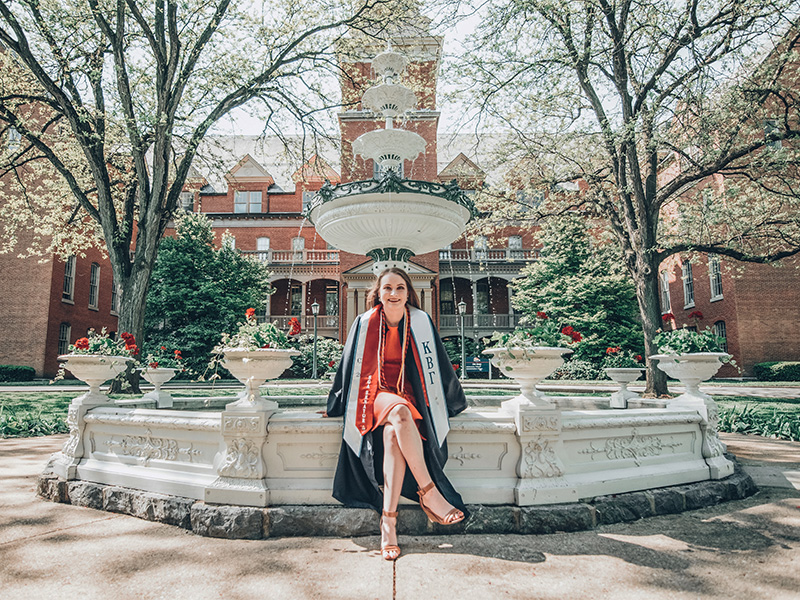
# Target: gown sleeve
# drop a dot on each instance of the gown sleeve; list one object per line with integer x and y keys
{"x": 337, "y": 398}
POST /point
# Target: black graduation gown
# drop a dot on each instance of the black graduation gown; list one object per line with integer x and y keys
{"x": 358, "y": 478}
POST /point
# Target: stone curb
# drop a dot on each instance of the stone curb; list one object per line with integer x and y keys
{"x": 246, "y": 522}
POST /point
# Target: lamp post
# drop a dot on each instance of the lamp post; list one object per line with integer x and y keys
{"x": 315, "y": 312}
{"x": 462, "y": 309}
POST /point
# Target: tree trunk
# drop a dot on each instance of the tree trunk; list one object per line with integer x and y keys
{"x": 647, "y": 294}
{"x": 131, "y": 318}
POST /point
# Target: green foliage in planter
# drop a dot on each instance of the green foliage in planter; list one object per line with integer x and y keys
{"x": 581, "y": 281}
{"x": 199, "y": 291}
{"x": 777, "y": 371}
{"x": 16, "y": 373}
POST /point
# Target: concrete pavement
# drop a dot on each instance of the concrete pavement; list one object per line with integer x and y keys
{"x": 746, "y": 549}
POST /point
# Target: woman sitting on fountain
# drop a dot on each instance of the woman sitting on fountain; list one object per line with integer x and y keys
{"x": 396, "y": 388}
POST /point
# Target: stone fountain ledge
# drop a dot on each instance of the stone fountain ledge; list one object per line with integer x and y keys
{"x": 245, "y": 522}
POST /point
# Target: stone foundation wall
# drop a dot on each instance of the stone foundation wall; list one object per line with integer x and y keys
{"x": 245, "y": 522}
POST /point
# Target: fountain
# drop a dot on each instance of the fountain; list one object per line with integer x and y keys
{"x": 262, "y": 465}
{"x": 390, "y": 219}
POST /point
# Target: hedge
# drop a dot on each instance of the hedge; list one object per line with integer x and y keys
{"x": 16, "y": 373}
{"x": 777, "y": 371}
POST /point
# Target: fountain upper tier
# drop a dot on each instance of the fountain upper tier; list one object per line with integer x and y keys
{"x": 391, "y": 219}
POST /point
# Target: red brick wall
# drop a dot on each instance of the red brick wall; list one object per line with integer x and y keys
{"x": 78, "y": 314}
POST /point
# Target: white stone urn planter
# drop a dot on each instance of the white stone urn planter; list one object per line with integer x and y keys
{"x": 95, "y": 370}
{"x": 691, "y": 370}
{"x": 158, "y": 376}
{"x": 253, "y": 368}
{"x": 623, "y": 376}
{"x": 527, "y": 366}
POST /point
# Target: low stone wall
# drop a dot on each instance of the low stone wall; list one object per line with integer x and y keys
{"x": 246, "y": 522}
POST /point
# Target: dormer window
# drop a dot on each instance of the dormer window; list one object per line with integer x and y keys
{"x": 247, "y": 202}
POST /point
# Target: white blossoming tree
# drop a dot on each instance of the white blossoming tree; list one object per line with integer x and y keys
{"x": 644, "y": 103}
{"x": 104, "y": 103}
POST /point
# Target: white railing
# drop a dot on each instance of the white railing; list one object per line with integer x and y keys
{"x": 294, "y": 256}
{"x": 488, "y": 255}
{"x": 306, "y": 322}
{"x": 498, "y": 322}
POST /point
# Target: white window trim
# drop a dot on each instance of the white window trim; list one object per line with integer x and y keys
{"x": 62, "y": 327}
{"x": 115, "y": 295}
{"x": 70, "y": 298}
{"x": 663, "y": 286}
{"x": 687, "y": 268}
{"x": 712, "y": 259}
{"x": 94, "y": 286}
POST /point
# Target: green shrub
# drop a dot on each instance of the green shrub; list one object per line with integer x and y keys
{"x": 329, "y": 353}
{"x": 777, "y": 371}
{"x": 29, "y": 424}
{"x": 16, "y": 373}
{"x": 578, "y": 369}
{"x": 747, "y": 420}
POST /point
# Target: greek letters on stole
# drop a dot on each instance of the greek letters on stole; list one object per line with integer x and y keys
{"x": 358, "y": 416}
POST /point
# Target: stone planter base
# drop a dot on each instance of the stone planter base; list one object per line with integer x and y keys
{"x": 247, "y": 522}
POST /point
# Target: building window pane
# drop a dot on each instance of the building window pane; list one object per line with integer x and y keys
{"x": 715, "y": 274}
{"x": 94, "y": 285}
{"x": 187, "y": 201}
{"x": 14, "y": 139}
{"x": 64, "y": 331}
{"x": 247, "y": 202}
{"x": 307, "y": 198}
{"x": 666, "y": 306}
{"x": 447, "y": 292}
{"x": 332, "y": 300}
{"x": 772, "y": 133}
{"x": 69, "y": 280}
{"x": 482, "y": 298}
{"x": 721, "y": 331}
{"x": 296, "y": 301}
{"x": 481, "y": 245}
{"x": 298, "y": 245}
{"x": 688, "y": 285}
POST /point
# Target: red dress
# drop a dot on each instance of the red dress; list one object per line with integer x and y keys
{"x": 392, "y": 362}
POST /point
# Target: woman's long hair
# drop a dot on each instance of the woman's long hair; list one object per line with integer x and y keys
{"x": 374, "y": 294}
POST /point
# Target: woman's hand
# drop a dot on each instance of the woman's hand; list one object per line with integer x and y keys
{"x": 323, "y": 413}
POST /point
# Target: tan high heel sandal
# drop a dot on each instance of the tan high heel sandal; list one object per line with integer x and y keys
{"x": 390, "y": 552}
{"x": 451, "y": 518}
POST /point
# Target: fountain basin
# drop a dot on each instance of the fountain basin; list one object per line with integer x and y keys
{"x": 288, "y": 457}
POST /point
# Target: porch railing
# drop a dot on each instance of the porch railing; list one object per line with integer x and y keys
{"x": 498, "y": 322}
{"x": 295, "y": 256}
{"x": 488, "y": 255}
{"x": 306, "y": 322}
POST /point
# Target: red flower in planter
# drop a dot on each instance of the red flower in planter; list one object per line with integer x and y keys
{"x": 696, "y": 314}
{"x": 153, "y": 365}
{"x": 82, "y": 343}
{"x": 667, "y": 317}
{"x": 639, "y": 357}
{"x": 541, "y": 315}
{"x": 568, "y": 330}
{"x": 250, "y": 313}
{"x": 576, "y": 337}
{"x": 331, "y": 364}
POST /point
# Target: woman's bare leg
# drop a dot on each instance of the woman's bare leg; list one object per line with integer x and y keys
{"x": 394, "y": 469}
{"x": 410, "y": 444}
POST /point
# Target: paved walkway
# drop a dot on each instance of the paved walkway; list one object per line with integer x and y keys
{"x": 747, "y": 550}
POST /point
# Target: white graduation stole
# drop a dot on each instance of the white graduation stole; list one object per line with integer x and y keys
{"x": 423, "y": 336}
